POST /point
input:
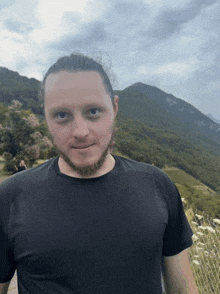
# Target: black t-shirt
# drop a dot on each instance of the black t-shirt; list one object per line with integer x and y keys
{"x": 104, "y": 235}
{"x": 20, "y": 168}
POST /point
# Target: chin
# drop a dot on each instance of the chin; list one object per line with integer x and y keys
{"x": 85, "y": 167}
{"x": 82, "y": 163}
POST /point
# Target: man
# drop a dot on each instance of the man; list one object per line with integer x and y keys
{"x": 22, "y": 166}
{"x": 90, "y": 222}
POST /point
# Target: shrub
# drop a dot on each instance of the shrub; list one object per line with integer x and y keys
{"x": 9, "y": 166}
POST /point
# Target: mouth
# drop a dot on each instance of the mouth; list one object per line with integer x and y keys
{"x": 82, "y": 146}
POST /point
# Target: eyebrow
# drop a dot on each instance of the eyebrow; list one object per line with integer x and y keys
{"x": 65, "y": 108}
{"x": 55, "y": 109}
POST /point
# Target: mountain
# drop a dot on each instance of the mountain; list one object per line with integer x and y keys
{"x": 11, "y": 81}
{"x": 157, "y": 108}
{"x": 16, "y": 87}
{"x": 165, "y": 148}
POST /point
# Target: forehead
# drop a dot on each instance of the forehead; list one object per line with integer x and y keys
{"x": 75, "y": 90}
{"x": 77, "y": 82}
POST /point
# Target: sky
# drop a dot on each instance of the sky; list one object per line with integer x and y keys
{"x": 173, "y": 45}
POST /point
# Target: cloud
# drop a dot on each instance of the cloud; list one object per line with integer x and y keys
{"x": 6, "y": 3}
{"x": 17, "y": 27}
{"x": 88, "y": 36}
{"x": 126, "y": 8}
{"x": 14, "y": 21}
{"x": 203, "y": 3}
{"x": 171, "y": 21}
{"x": 22, "y": 65}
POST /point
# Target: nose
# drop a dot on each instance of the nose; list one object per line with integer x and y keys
{"x": 80, "y": 129}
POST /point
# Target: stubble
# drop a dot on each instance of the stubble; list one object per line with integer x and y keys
{"x": 88, "y": 170}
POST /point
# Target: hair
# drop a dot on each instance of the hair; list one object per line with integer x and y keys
{"x": 76, "y": 63}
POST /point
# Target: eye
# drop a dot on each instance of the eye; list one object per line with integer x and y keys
{"x": 61, "y": 116}
{"x": 94, "y": 111}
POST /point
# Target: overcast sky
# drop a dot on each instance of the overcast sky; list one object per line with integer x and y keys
{"x": 171, "y": 44}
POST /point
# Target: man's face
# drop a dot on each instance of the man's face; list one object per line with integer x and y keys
{"x": 80, "y": 118}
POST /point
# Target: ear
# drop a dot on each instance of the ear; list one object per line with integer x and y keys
{"x": 115, "y": 105}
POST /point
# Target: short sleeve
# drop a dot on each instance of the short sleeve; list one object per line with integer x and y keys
{"x": 178, "y": 233}
{"x": 7, "y": 263}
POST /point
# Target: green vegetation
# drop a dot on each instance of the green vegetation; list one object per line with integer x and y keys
{"x": 201, "y": 200}
{"x": 196, "y": 195}
{"x": 180, "y": 177}
{"x": 22, "y": 137}
{"x": 149, "y": 144}
{"x": 3, "y": 175}
{"x": 16, "y": 87}
{"x": 150, "y": 106}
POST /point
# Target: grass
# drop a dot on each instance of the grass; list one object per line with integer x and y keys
{"x": 179, "y": 177}
{"x": 205, "y": 253}
{"x": 3, "y": 175}
{"x": 38, "y": 162}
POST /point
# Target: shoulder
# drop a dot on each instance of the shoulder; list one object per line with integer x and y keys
{"x": 126, "y": 164}
{"x": 27, "y": 178}
{"x": 140, "y": 171}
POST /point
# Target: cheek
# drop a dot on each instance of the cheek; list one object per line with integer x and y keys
{"x": 104, "y": 130}
{"x": 58, "y": 132}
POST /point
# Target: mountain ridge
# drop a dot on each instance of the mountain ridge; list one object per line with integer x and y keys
{"x": 185, "y": 118}
{"x": 170, "y": 99}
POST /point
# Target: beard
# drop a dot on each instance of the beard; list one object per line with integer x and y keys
{"x": 88, "y": 170}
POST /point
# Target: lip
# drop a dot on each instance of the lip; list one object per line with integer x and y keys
{"x": 82, "y": 146}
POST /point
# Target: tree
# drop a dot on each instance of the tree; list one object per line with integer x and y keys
{"x": 20, "y": 137}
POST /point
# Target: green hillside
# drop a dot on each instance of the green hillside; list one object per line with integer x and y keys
{"x": 16, "y": 87}
{"x": 142, "y": 107}
{"x": 195, "y": 194}
{"x": 180, "y": 177}
{"x": 149, "y": 144}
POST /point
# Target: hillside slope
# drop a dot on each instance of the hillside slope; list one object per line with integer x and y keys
{"x": 194, "y": 193}
{"x": 157, "y": 108}
{"x": 16, "y": 87}
{"x": 180, "y": 178}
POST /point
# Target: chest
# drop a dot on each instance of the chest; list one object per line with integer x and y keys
{"x": 56, "y": 230}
